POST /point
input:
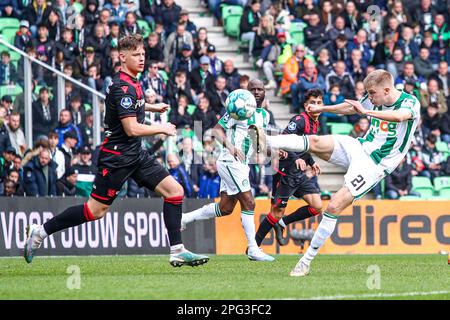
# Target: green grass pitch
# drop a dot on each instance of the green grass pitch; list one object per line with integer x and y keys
{"x": 227, "y": 277}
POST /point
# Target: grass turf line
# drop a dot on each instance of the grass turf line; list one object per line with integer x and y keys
{"x": 225, "y": 277}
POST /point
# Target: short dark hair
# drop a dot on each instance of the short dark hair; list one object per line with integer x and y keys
{"x": 432, "y": 138}
{"x": 316, "y": 93}
{"x": 131, "y": 42}
{"x": 243, "y": 78}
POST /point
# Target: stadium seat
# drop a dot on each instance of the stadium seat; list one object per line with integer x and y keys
{"x": 145, "y": 28}
{"x": 230, "y": 10}
{"x": 296, "y": 32}
{"x": 409, "y": 198}
{"x": 164, "y": 75}
{"x": 423, "y": 186}
{"x": 15, "y": 56}
{"x": 8, "y": 34}
{"x": 78, "y": 7}
{"x": 340, "y": 128}
{"x": 442, "y": 186}
{"x": 442, "y": 146}
{"x": 231, "y": 17}
{"x": 9, "y": 23}
{"x": 12, "y": 90}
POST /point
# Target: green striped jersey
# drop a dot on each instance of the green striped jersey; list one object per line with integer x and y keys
{"x": 238, "y": 134}
{"x": 386, "y": 142}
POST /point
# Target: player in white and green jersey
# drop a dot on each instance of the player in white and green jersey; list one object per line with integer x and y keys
{"x": 232, "y": 166}
{"x": 394, "y": 116}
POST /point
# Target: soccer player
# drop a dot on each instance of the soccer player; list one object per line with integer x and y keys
{"x": 121, "y": 157}
{"x": 291, "y": 179}
{"x": 394, "y": 118}
{"x": 233, "y": 169}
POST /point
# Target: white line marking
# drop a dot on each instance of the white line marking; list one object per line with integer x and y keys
{"x": 372, "y": 295}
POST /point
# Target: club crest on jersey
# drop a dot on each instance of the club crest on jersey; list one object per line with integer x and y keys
{"x": 126, "y": 102}
{"x": 226, "y": 117}
{"x": 292, "y": 126}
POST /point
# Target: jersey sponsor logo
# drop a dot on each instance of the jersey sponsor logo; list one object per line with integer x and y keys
{"x": 126, "y": 102}
{"x": 292, "y": 126}
{"x": 382, "y": 126}
{"x": 226, "y": 117}
{"x": 139, "y": 104}
{"x": 125, "y": 89}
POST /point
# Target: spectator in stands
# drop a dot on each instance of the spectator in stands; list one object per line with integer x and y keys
{"x": 396, "y": 65}
{"x": 424, "y": 14}
{"x": 201, "y": 43}
{"x": 44, "y": 114}
{"x": 154, "y": 51}
{"x": 107, "y": 66}
{"x": 65, "y": 124}
{"x": 87, "y": 129}
{"x": 280, "y": 16}
{"x": 399, "y": 182}
{"x": 168, "y": 15}
{"x": 360, "y": 128}
{"x": 444, "y": 128}
{"x": 392, "y": 28}
{"x": 264, "y": 39}
{"x": 190, "y": 26}
{"x": 67, "y": 47}
{"x": 56, "y": 154}
{"x": 77, "y": 110}
{"x": 36, "y": 13}
{"x": 7, "y": 103}
{"x": 117, "y": 10}
{"x": 179, "y": 173}
{"x": 98, "y": 41}
{"x": 9, "y": 188}
{"x": 179, "y": 115}
{"x": 94, "y": 81}
{"x": 307, "y": 79}
{"x": 8, "y": 9}
{"x": 324, "y": 66}
{"x": 442, "y": 76}
{"x": 409, "y": 74}
{"x": 129, "y": 26}
{"x": 384, "y": 51}
{"x": 181, "y": 87}
{"x": 243, "y": 82}
{"x": 69, "y": 145}
{"x": 332, "y": 97}
{"x": 40, "y": 175}
{"x": 433, "y": 94}
{"x": 62, "y": 7}
{"x": 91, "y": 14}
{"x": 6, "y": 161}
{"x": 191, "y": 162}
{"x": 204, "y": 114}
{"x": 435, "y": 56}
{"x": 249, "y": 23}
{"x": 231, "y": 74}
{"x": 215, "y": 64}
{"x": 8, "y": 72}
{"x": 14, "y": 176}
{"x": 84, "y": 164}
{"x": 114, "y": 35}
{"x": 440, "y": 33}
{"x": 201, "y": 79}
{"x": 314, "y": 32}
{"x": 148, "y": 11}
{"x": 431, "y": 158}
{"x": 186, "y": 61}
{"x": 340, "y": 76}
{"x": 209, "y": 182}
{"x": 23, "y": 39}
{"x": 259, "y": 181}
{"x": 154, "y": 80}
{"x": 339, "y": 49}
{"x": 357, "y": 66}
{"x": 407, "y": 44}
{"x": 218, "y": 96}
{"x": 339, "y": 28}
{"x": 397, "y": 11}
{"x": 422, "y": 65}
{"x": 55, "y": 26}
{"x": 175, "y": 42}
{"x": 431, "y": 120}
{"x": 67, "y": 185}
{"x": 16, "y": 135}
{"x": 104, "y": 21}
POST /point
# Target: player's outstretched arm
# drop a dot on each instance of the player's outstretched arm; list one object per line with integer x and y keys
{"x": 341, "y": 108}
{"x": 399, "y": 115}
{"x": 157, "y": 107}
{"x": 135, "y": 129}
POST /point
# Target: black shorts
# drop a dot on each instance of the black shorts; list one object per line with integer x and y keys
{"x": 147, "y": 172}
{"x": 284, "y": 186}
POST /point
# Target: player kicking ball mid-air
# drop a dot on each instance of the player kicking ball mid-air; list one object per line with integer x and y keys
{"x": 291, "y": 180}
{"x": 233, "y": 169}
{"x": 394, "y": 118}
{"x": 121, "y": 156}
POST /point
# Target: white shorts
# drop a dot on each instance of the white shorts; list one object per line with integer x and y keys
{"x": 362, "y": 173}
{"x": 234, "y": 177}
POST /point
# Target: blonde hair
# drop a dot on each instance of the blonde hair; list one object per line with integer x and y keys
{"x": 270, "y": 29}
{"x": 379, "y": 77}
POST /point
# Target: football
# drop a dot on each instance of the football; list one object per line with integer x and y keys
{"x": 240, "y": 104}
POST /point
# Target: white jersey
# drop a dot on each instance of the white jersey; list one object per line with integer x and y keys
{"x": 238, "y": 134}
{"x": 387, "y": 143}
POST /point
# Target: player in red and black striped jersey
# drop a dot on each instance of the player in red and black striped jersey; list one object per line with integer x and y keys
{"x": 121, "y": 156}
{"x": 291, "y": 180}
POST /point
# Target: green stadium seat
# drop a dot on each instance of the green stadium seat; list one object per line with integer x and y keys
{"x": 145, "y": 28}
{"x": 442, "y": 186}
{"x": 442, "y": 146}
{"x": 87, "y": 107}
{"x": 191, "y": 109}
{"x": 15, "y": 56}
{"x": 409, "y": 198}
{"x": 232, "y": 26}
{"x": 9, "y": 23}
{"x": 445, "y": 193}
{"x": 8, "y": 34}
{"x": 78, "y": 7}
{"x": 164, "y": 75}
{"x": 230, "y": 10}
{"x": 12, "y": 90}
{"x": 423, "y": 186}
{"x": 296, "y": 32}
{"x": 340, "y": 128}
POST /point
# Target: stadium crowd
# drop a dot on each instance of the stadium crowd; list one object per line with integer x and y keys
{"x": 341, "y": 43}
